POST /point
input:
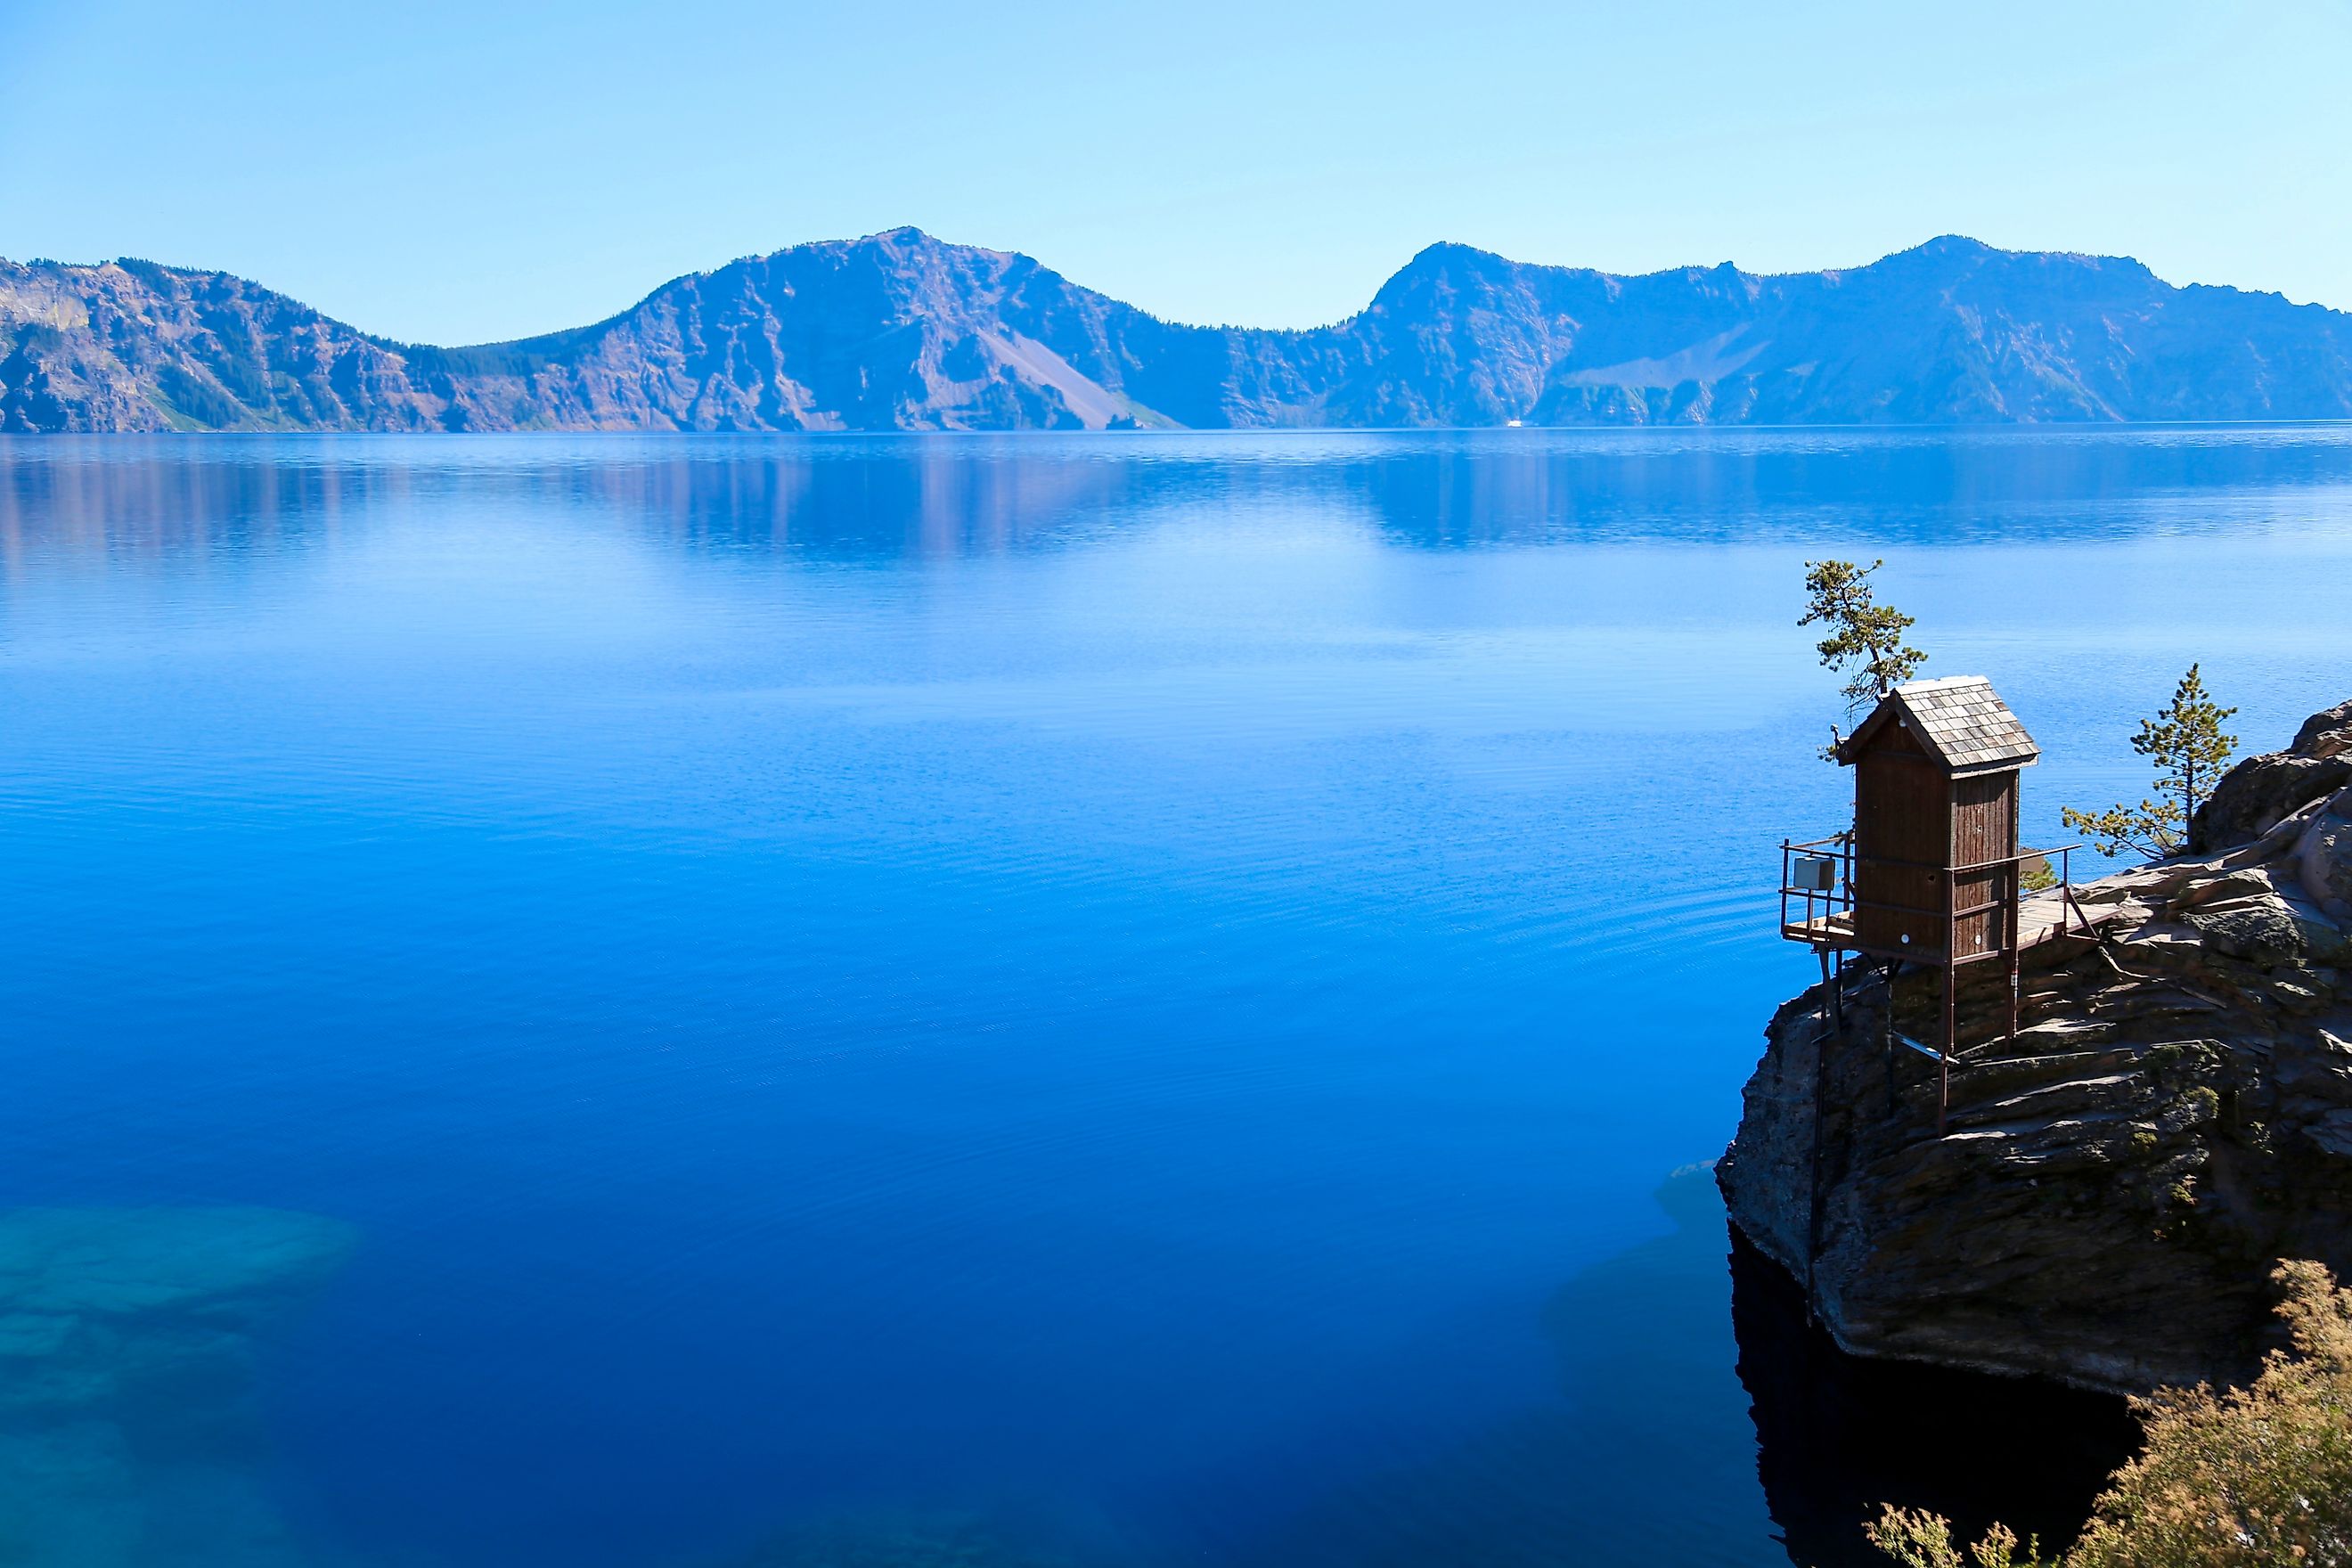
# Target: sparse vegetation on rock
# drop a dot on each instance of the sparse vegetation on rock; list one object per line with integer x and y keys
{"x": 2259, "y": 1477}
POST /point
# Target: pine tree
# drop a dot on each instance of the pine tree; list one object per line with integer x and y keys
{"x": 1865, "y": 641}
{"x": 2186, "y": 743}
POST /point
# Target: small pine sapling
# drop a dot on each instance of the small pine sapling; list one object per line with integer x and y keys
{"x": 2186, "y": 742}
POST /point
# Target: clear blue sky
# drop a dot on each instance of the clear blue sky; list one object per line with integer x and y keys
{"x": 461, "y": 172}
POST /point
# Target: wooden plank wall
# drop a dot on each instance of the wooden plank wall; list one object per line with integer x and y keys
{"x": 1984, "y": 828}
{"x": 1900, "y": 814}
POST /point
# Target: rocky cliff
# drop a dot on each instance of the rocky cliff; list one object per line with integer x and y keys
{"x": 2175, "y": 1113}
{"x": 899, "y": 332}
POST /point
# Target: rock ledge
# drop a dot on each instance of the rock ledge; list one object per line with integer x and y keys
{"x": 2176, "y": 1112}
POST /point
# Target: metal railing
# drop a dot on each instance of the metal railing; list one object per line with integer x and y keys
{"x": 1817, "y": 904}
{"x": 1827, "y": 917}
{"x": 1829, "y": 921}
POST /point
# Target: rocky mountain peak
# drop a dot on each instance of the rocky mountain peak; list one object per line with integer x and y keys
{"x": 903, "y": 330}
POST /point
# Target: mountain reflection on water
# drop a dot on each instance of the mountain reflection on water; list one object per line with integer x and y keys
{"x": 1115, "y": 1000}
{"x": 851, "y": 496}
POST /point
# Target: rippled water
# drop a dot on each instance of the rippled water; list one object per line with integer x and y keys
{"x": 1091, "y": 1001}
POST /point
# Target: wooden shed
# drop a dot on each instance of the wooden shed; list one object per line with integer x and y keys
{"x": 1935, "y": 821}
{"x": 1930, "y": 873}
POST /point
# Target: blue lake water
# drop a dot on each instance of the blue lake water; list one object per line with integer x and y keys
{"x": 1095, "y": 1000}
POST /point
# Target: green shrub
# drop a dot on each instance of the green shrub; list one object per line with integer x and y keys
{"x": 2245, "y": 1479}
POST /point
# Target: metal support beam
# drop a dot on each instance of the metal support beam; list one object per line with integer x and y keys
{"x": 2015, "y": 936}
{"x": 1833, "y": 933}
{"x": 1950, "y": 1041}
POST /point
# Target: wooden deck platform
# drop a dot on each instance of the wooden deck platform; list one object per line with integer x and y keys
{"x": 2044, "y": 917}
{"x": 1822, "y": 931}
{"x": 2041, "y": 917}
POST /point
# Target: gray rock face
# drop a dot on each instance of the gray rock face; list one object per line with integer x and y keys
{"x": 2324, "y": 857}
{"x": 2176, "y": 1113}
{"x": 900, "y": 331}
{"x": 2267, "y": 930}
{"x": 2256, "y": 794}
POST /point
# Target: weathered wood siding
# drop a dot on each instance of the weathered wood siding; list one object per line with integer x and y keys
{"x": 1902, "y": 833}
{"x": 1984, "y": 828}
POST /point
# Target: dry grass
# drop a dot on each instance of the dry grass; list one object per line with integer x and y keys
{"x": 2246, "y": 1477}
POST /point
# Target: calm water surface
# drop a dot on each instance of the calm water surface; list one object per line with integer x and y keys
{"x": 1096, "y": 1001}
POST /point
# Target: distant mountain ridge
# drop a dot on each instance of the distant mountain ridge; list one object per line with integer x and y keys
{"x": 902, "y": 331}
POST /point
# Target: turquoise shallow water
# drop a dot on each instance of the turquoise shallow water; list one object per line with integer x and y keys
{"x": 1094, "y": 1000}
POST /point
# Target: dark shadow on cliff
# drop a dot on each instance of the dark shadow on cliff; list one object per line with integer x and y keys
{"x": 1837, "y": 1435}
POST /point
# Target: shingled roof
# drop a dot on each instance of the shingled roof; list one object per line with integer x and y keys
{"x": 1961, "y": 722}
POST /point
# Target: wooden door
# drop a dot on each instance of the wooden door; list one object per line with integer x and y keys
{"x": 1984, "y": 828}
{"x": 1902, "y": 837}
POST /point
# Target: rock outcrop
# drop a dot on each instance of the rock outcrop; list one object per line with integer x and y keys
{"x": 2175, "y": 1112}
{"x": 2254, "y": 796}
{"x": 899, "y": 332}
